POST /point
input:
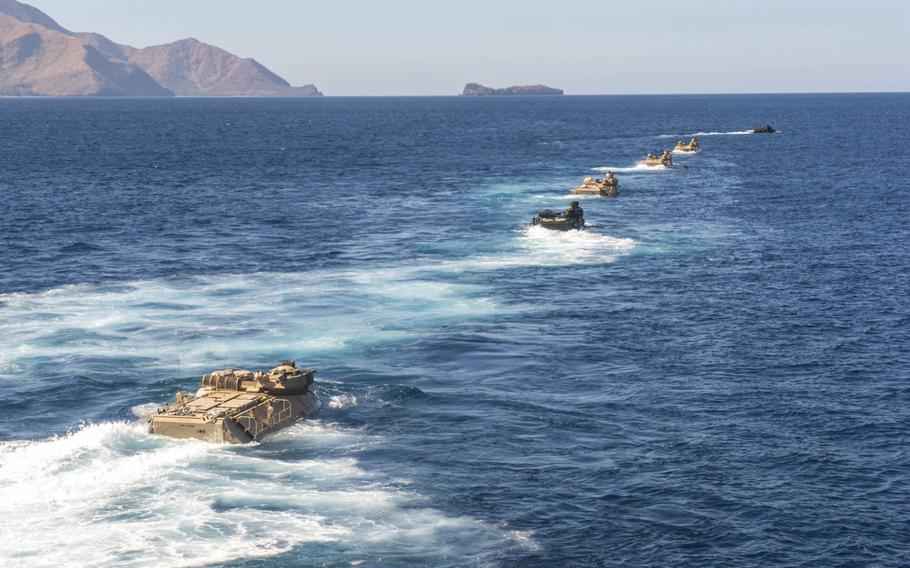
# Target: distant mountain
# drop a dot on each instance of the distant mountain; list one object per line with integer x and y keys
{"x": 38, "y": 57}
{"x": 29, "y": 15}
{"x": 478, "y": 90}
{"x": 190, "y": 67}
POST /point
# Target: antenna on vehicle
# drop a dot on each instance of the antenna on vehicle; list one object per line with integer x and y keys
{"x": 179, "y": 378}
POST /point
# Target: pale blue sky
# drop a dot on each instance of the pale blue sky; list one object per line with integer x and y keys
{"x": 414, "y": 47}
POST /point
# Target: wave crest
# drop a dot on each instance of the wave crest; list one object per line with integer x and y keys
{"x": 638, "y": 167}
{"x": 710, "y": 133}
{"x": 110, "y": 494}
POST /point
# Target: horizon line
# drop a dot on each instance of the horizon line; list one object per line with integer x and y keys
{"x": 458, "y": 95}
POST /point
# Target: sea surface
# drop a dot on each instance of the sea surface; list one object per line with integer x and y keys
{"x": 715, "y": 373}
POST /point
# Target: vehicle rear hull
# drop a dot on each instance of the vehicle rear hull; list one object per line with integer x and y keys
{"x": 262, "y": 416}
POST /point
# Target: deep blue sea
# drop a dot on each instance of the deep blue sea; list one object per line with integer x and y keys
{"x": 715, "y": 373}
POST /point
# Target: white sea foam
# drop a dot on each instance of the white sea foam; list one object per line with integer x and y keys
{"x": 145, "y": 410}
{"x": 637, "y": 168}
{"x": 110, "y": 494}
{"x": 567, "y": 197}
{"x": 574, "y": 247}
{"x": 538, "y": 246}
{"x": 216, "y": 320}
{"x": 205, "y": 322}
{"x": 712, "y": 133}
{"x": 342, "y": 401}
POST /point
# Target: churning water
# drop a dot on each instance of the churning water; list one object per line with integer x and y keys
{"x": 714, "y": 373}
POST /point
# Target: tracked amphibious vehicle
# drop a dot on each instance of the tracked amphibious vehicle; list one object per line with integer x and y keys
{"x": 664, "y": 159}
{"x": 692, "y": 146}
{"x": 766, "y": 129}
{"x": 572, "y": 217}
{"x": 239, "y": 406}
{"x": 607, "y": 187}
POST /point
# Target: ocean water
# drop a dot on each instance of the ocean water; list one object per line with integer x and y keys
{"x": 714, "y": 373}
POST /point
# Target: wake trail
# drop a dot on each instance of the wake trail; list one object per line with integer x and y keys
{"x": 637, "y": 168}
{"x": 202, "y": 321}
{"x": 112, "y": 494}
{"x": 711, "y": 133}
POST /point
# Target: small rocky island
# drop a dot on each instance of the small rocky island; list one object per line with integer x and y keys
{"x": 478, "y": 90}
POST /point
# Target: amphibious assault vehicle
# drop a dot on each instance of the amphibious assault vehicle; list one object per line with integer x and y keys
{"x": 664, "y": 159}
{"x": 239, "y": 406}
{"x": 572, "y": 217}
{"x": 766, "y": 129}
{"x": 608, "y": 186}
{"x": 692, "y": 146}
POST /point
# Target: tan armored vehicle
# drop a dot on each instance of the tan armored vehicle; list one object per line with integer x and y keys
{"x": 664, "y": 159}
{"x": 692, "y": 146}
{"x": 608, "y": 186}
{"x": 239, "y": 406}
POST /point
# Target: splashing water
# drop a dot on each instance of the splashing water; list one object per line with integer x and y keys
{"x": 638, "y": 167}
{"x": 201, "y": 321}
{"x": 113, "y": 495}
{"x": 728, "y": 133}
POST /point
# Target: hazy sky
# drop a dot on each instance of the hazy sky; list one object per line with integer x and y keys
{"x": 425, "y": 47}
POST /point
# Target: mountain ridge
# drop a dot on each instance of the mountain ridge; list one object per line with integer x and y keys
{"x": 39, "y": 57}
